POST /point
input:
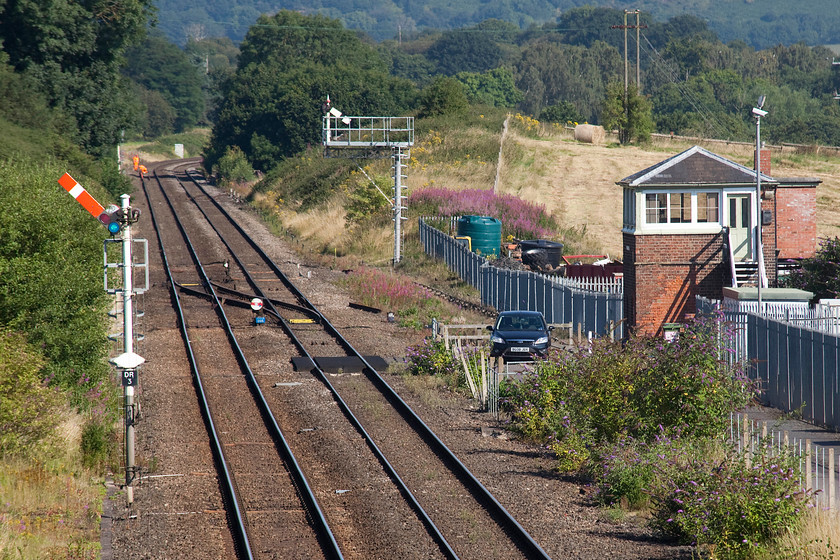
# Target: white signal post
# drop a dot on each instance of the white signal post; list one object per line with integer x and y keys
{"x": 128, "y": 361}
{"x": 128, "y": 347}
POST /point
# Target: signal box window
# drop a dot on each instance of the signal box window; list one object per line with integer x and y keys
{"x": 708, "y": 207}
{"x": 655, "y": 205}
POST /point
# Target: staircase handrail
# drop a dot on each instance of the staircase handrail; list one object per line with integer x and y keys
{"x": 731, "y": 253}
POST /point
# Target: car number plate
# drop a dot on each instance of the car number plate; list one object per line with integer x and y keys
{"x": 520, "y": 349}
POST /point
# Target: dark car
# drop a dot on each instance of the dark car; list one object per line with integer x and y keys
{"x": 520, "y": 335}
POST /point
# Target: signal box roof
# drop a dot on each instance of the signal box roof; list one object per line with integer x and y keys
{"x": 694, "y": 167}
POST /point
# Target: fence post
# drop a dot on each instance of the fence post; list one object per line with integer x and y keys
{"x": 808, "y": 468}
{"x": 746, "y": 438}
{"x": 484, "y": 383}
{"x": 830, "y": 479}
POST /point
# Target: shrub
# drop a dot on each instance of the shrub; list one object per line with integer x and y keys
{"x": 610, "y": 392}
{"x": 234, "y": 167}
{"x": 444, "y": 96}
{"x": 702, "y": 491}
{"x": 733, "y": 506}
{"x": 432, "y": 358}
{"x": 51, "y": 282}
{"x": 95, "y": 444}
{"x": 626, "y": 473}
{"x": 29, "y": 410}
{"x": 819, "y": 274}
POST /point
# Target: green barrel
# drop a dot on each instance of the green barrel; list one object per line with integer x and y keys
{"x": 485, "y": 234}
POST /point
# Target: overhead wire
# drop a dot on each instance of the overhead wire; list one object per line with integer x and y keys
{"x": 668, "y": 70}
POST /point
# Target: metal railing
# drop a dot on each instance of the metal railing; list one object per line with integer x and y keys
{"x": 591, "y": 306}
{"x": 796, "y": 367}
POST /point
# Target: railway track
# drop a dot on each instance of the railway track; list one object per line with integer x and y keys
{"x": 302, "y": 454}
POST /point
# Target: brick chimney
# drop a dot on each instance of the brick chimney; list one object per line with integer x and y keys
{"x": 764, "y": 159}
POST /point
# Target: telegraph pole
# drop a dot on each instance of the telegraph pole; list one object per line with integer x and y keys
{"x": 625, "y": 27}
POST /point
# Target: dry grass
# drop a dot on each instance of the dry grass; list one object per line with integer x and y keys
{"x": 817, "y": 538}
{"x": 577, "y": 181}
{"x": 48, "y": 511}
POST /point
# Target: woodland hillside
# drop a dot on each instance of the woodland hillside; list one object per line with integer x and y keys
{"x": 760, "y": 24}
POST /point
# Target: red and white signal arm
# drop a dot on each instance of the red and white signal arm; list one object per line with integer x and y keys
{"x": 81, "y": 195}
{"x": 256, "y": 304}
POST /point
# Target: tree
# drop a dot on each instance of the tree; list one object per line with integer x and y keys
{"x": 159, "y": 65}
{"x": 820, "y": 274}
{"x": 289, "y": 64}
{"x": 630, "y": 114}
{"x": 74, "y": 50}
{"x": 561, "y": 112}
{"x": 445, "y": 96}
{"x": 286, "y": 39}
{"x": 548, "y": 73}
{"x": 494, "y": 87}
{"x": 158, "y": 116}
{"x": 465, "y": 51}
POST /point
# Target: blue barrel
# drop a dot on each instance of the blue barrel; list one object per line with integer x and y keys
{"x": 485, "y": 234}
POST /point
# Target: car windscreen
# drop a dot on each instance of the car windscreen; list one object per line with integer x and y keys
{"x": 519, "y": 323}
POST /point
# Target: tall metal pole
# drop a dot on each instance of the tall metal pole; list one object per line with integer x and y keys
{"x": 397, "y": 203}
{"x": 626, "y": 65}
{"x": 759, "y": 248}
{"x": 128, "y": 346}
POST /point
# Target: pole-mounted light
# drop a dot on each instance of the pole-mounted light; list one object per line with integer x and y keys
{"x": 758, "y": 112}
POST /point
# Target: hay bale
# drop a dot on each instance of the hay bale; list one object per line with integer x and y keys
{"x": 590, "y": 133}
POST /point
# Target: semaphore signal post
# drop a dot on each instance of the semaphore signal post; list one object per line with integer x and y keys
{"x": 371, "y": 137}
{"x": 118, "y": 220}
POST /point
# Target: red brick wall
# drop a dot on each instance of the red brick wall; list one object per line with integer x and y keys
{"x": 768, "y": 237}
{"x": 764, "y": 159}
{"x": 796, "y": 221}
{"x": 663, "y": 274}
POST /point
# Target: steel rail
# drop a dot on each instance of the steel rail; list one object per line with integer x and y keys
{"x": 240, "y": 533}
{"x": 425, "y": 518}
{"x": 325, "y": 535}
{"x": 524, "y": 541}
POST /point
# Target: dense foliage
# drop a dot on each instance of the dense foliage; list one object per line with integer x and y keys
{"x": 31, "y": 411}
{"x": 288, "y": 65}
{"x": 648, "y": 423}
{"x": 628, "y": 113}
{"x": 761, "y": 24}
{"x": 707, "y": 493}
{"x": 819, "y": 274}
{"x": 73, "y": 51}
{"x": 570, "y": 71}
{"x": 50, "y": 281}
{"x": 159, "y": 66}
{"x": 576, "y": 402}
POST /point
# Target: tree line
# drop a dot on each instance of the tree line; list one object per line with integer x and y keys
{"x": 569, "y": 71}
{"x": 105, "y": 76}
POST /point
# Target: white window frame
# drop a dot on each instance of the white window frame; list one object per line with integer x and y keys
{"x": 643, "y": 226}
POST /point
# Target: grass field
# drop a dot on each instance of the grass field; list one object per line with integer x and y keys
{"x": 577, "y": 181}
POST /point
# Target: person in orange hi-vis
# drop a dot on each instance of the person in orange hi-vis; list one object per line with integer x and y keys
{"x": 136, "y": 162}
{"x": 143, "y": 171}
